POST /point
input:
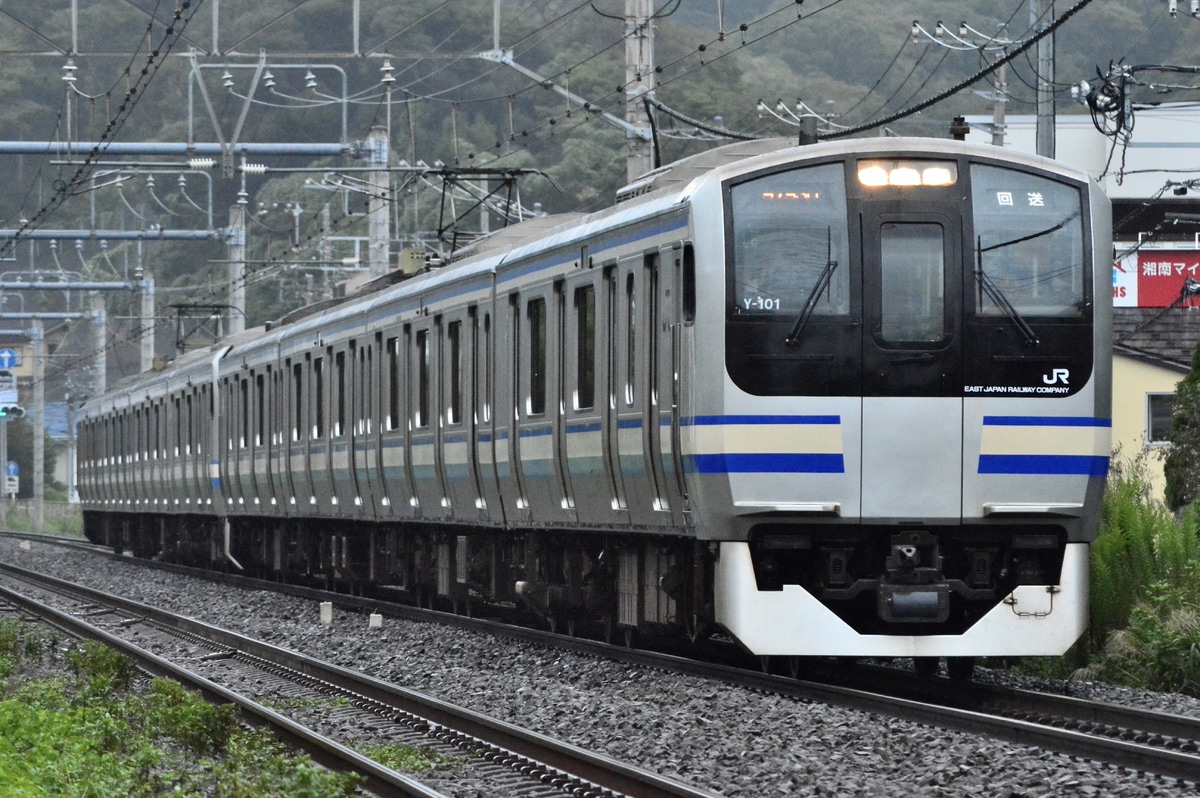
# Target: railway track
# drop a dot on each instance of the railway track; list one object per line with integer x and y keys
{"x": 500, "y": 758}
{"x": 1162, "y": 746}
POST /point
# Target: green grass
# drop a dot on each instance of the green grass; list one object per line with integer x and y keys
{"x": 408, "y": 759}
{"x": 1144, "y": 628}
{"x": 81, "y": 731}
{"x": 69, "y": 524}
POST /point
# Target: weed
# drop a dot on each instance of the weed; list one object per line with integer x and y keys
{"x": 408, "y": 759}
{"x": 101, "y": 669}
{"x": 84, "y": 735}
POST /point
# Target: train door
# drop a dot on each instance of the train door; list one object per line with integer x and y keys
{"x": 261, "y": 465}
{"x": 465, "y": 374}
{"x": 297, "y": 434}
{"x": 281, "y": 490}
{"x": 661, "y": 397}
{"x": 366, "y": 428}
{"x": 483, "y": 384}
{"x": 425, "y": 436}
{"x": 154, "y": 456}
{"x": 457, "y": 460}
{"x": 635, "y": 341}
{"x": 394, "y": 472}
{"x": 231, "y": 435}
{"x": 557, "y": 336}
{"x": 317, "y": 462}
{"x": 912, "y": 366}
{"x": 510, "y": 349}
{"x": 609, "y": 369}
{"x": 537, "y": 461}
{"x": 587, "y": 456}
{"x": 342, "y": 403}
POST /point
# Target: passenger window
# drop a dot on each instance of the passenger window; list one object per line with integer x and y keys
{"x": 487, "y": 370}
{"x": 393, "y": 352}
{"x": 318, "y": 426}
{"x": 630, "y": 339}
{"x": 912, "y": 262}
{"x": 537, "y": 356}
{"x": 789, "y": 239}
{"x": 454, "y": 409}
{"x": 422, "y": 416}
{"x": 1028, "y": 247}
{"x": 585, "y": 355}
{"x": 260, "y": 419}
{"x": 339, "y": 367}
{"x": 297, "y": 400}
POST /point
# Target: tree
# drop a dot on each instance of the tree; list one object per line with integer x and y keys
{"x": 1181, "y": 466}
{"x": 20, "y": 451}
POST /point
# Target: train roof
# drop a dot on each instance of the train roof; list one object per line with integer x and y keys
{"x": 655, "y": 193}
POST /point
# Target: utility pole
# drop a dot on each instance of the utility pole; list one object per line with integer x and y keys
{"x": 38, "y": 422}
{"x": 237, "y": 267}
{"x": 4, "y": 464}
{"x": 378, "y": 193}
{"x": 99, "y": 344}
{"x": 1045, "y": 78}
{"x": 147, "y": 322}
{"x": 639, "y": 81}
{"x": 999, "y": 99}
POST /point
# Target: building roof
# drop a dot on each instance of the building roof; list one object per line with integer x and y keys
{"x": 1164, "y": 336}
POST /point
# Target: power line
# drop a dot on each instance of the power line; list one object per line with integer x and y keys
{"x": 950, "y": 92}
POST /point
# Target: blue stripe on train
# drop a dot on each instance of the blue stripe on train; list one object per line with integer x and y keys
{"x": 767, "y": 463}
{"x": 1046, "y": 421}
{"x": 1046, "y": 464}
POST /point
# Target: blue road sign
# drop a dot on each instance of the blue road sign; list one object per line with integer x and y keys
{"x": 11, "y": 469}
{"x": 8, "y": 358}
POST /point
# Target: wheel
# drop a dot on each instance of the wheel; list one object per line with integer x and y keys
{"x": 960, "y": 669}
{"x": 925, "y": 667}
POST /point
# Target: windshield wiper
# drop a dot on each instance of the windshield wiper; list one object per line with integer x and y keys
{"x": 996, "y": 295}
{"x": 823, "y": 278}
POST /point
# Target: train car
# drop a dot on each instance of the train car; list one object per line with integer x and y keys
{"x": 846, "y": 399}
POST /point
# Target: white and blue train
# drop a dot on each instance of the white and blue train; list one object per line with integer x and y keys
{"x": 845, "y": 399}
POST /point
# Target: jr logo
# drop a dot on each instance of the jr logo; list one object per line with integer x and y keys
{"x": 1056, "y": 376}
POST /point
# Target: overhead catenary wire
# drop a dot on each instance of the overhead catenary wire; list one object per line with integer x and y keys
{"x": 950, "y": 92}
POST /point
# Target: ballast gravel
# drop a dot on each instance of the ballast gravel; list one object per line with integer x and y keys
{"x": 727, "y": 740}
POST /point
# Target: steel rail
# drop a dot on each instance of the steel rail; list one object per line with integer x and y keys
{"x": 924, "y": 707}
{"x": 598, "y": 769}
{"x": 332, "y": 755}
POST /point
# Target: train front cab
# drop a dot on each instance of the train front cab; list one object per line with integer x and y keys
{"x": 916, "y": 426}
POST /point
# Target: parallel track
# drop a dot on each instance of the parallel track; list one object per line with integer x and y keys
{"x": 544, "y": 765}
{"x": 1150, "y": 742}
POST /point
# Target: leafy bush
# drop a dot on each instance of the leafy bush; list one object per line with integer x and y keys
{"x": 1160, "y": 648}
{"x": 174, "y": 712}
{"x": 1145, "y": 592}
{"x": 101, "y": 670}
{"x": 84, "y": 735}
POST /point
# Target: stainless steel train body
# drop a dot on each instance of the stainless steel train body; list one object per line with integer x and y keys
{"x": 845, "y": 399}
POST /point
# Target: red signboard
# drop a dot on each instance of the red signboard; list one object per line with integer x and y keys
{"x": 1155, "y": 278}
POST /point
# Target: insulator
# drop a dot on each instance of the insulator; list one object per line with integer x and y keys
{"x": 201, "y": 163}
{"x": 254, "y": 168}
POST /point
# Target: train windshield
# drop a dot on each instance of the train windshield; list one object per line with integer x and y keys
{"x": 1028, "y": 247}
{"x": 789, "y": 236}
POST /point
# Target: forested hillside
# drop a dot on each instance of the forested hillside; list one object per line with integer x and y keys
{"x": 849, "y": 60}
